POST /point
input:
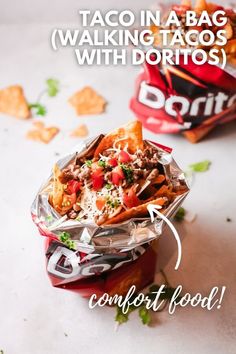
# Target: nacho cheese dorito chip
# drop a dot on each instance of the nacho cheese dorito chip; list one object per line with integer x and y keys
{"x": 130, "y": 135}
{"x": 197, "y": 134}
{"x": 87, "y": 101}
{"x": 42, "y": 133}
{"x": 80, "y": 131}
{"x": 13, "y": 102}
{"x": 114, "y": 181}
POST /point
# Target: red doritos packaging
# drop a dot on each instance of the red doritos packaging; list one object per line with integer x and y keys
{"x": 188, "y": 99}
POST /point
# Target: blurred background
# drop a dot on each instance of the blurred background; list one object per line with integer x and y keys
{"x": 55, "y": 11}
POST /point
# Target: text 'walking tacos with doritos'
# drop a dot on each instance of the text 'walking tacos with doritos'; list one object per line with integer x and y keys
{"x": 186, "y": 97}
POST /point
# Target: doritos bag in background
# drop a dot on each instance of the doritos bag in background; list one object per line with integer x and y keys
{"x": 188, "y": 99}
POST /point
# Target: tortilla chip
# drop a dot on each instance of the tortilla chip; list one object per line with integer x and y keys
{"x": 148, "y": 193}
{"x": 160, "y": 179}
{"x": 187, "y": 3}
{"x": 87, "y": 101}
{"x": 229, "y": 31}
{"x": 13, "y": 102}
{"x": 136, "y": 212}
{"x": 130, "y": 135}
{"x": 166, "y": 191}
{"x": 56, "y": 197}
{"x": 212, "y": 7}
{"x": 80, "y": 131}
{"x": 59, "y": 200}
{"x": 156, "y": 34}
{"x": 231, "y": 60}
{"x": 230, "y": 47}
{"x": 197, "y": 134}
{"x": 200, "y": 5}
{"x": 41, "y": 133}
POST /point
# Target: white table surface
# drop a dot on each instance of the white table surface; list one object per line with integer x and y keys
{"x": 39, "y": 319}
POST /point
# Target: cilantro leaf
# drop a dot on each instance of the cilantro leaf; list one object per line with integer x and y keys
{"x": 128, "y": 172}
{"x": 53, "y": 87}
{"x": 120, "y": 316}
{"x": 113, "y": 203}
{"x": 179, "y": 216}
{"x": 202, "y": 166}
{"x": 102, "y": 163}
{"x": 144, "y": 315}
{"x": 65, "y": 238}
{"x": 143, "y": 312}
{"x": 40, "y": 110}
{"x": 123, "y": 317}
{"x": 88, "y": 163}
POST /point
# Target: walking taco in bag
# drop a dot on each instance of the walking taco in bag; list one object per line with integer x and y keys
{"x": 93, "y": 211}
{"x": 189, "y": 98}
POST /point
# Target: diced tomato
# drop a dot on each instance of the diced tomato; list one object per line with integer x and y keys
{"x": 97, "y": 178}
{"x": 73, "y": 186}
{"x": 180, "y": 9}
{"x": 82, "y": 255}
{"x": 100, "y": 202}
{"x": 113, "y": 162}
{"x": 98, "y": 182}
{"x": 97, "y": 170}
{"x": 117, "y": 175}
{"x": 130, "y": 200}
{"x": 124, "y": 157}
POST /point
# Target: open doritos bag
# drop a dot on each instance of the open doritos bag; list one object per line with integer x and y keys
{"x": 188, "y": 98}
{"x": 93, "y": 211}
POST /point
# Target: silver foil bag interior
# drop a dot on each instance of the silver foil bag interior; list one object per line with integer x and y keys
{"x": 117, "y": 244}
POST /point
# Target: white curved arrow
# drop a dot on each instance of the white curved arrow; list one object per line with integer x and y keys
{"x": 153, "y": 209}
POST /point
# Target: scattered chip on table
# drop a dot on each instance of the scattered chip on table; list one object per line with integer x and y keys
{"x": 87, "y": 101}
{"x": 42, "y": 133}
{"x": 13, "y": 102}
{"x": 80, "y": 132}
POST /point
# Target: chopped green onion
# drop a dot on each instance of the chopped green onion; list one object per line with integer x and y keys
{"x": 144, "y": 315}
{"x": 65, "y": 238}
{"x": 102, "y": 163}
{"x": 128, "y": 172}
{"x": 88, "y": 163}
